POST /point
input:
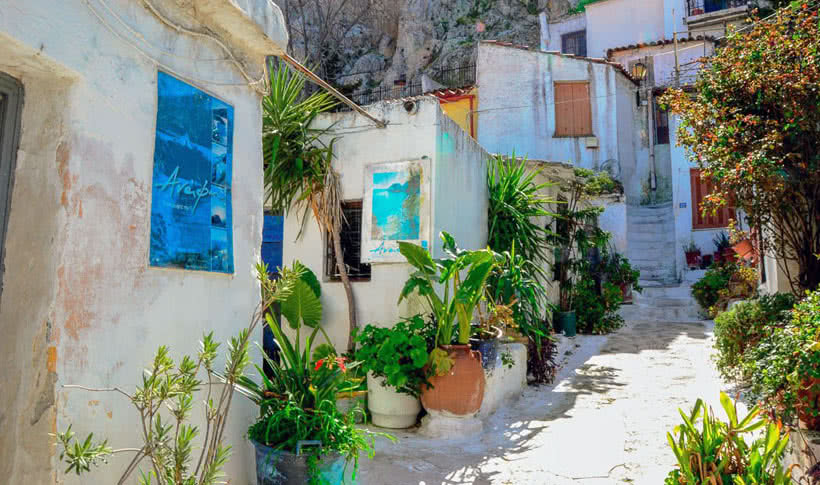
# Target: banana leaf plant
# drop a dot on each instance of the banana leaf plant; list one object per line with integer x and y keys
{"x": 462, "y": 276}
{"x": 298, "y": 379}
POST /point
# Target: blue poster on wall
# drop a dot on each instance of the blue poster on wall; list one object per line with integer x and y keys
{"x": 191, "y": 222}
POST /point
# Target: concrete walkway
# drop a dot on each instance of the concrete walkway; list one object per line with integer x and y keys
{"x": 604, "y": 421}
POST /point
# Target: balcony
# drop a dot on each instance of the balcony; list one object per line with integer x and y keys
{"x": 701, "y": 7}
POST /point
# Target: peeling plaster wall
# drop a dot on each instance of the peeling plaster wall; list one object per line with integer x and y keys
{"x": 459, "y": 202}
{"x": 81, "y": 305}
{"x": 33, "y": 248}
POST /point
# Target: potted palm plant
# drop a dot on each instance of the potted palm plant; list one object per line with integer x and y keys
{"x": 457, "y": 384}
{"x": 618, "y": 271}
{"x": 576, "y": 234}
{"x": 299, "y": 435}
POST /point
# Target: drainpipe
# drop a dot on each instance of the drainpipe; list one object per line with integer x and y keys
{"x": 650, "y": 124}
{"x": 545, "y": 33}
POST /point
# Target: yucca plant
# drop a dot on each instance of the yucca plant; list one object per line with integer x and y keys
{"x": 516, "y": 202}
{"x": 710, "y": 451}
{"x": 298, "y": 164}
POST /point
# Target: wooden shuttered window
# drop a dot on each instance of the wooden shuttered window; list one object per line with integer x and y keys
{"x": 701, "y": 187}
{"x": 573, "y": 114}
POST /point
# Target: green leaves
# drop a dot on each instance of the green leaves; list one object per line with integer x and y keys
{"x": 516, "y": 203}
{"x": 302, "y": 307}
{"x": 418, "y": 257}
{"x": 712, "y": 451}
{"x": 399, "y": 354}
{"x": 293, "y": 152}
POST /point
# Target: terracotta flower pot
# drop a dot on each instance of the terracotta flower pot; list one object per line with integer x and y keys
{"x": 692, "y": 258}
{"x": 808, "y": 403}
{"x": 460, "y": 391}
{"x": 744, "y": 249}
{"x": 626, "y": 292}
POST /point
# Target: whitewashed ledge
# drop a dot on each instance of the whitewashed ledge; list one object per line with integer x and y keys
{"x": 504, "y": 384}
{"x": 803, "y": 451}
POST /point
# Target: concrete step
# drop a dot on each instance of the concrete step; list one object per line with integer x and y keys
{"x": 682, "y": 291}
{"x": 656, "y": 237}
{"x": 663, "y": 302}
{"x": 660, "y": 314}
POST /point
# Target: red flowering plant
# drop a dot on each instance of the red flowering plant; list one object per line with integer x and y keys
{"x": 751, "y": 121}
{"x": 297, "y": 400}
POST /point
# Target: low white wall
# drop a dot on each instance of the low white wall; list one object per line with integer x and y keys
{"x": 613, "y": 220}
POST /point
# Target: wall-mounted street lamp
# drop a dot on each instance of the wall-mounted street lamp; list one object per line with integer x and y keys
{"x": 639, "y": 71}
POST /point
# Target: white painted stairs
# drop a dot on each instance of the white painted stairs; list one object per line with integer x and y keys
{"x": 651, "y": 243}
{"x": 662, "y": 304}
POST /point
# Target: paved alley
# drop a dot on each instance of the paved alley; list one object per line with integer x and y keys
{"x": 603, "y": 421}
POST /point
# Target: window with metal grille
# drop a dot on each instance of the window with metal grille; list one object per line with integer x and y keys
{"x": 575, "y": 43}
{"x": 702, "y": 187}
{"x": 573, "y": 114}
{"x": 661, "y": 126}
{"x": 351, "y": 239}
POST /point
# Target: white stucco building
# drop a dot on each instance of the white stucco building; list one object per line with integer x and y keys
{"x": 659, "y": 42}
{"x": 80, "y": 302}
{"x": 417, "y": 130}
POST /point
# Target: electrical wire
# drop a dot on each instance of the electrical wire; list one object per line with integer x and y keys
{"x": 165, "y": 67}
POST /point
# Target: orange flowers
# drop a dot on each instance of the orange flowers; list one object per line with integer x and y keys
{"x": 330, "y": 362}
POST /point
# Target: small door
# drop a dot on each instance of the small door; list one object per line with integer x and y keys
{"x": 272, "y": 236}
{"x": 11, "y": 102}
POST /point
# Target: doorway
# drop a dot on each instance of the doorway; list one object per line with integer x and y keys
{"x": 11, "y": 103}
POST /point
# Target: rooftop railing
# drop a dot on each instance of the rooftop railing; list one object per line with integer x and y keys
{"x": 698, "y": 7}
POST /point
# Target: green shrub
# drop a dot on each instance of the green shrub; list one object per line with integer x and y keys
{"x": 743, "y": 326}
{"x": 805, "y": 378}
{"x": 398, "y": 354}
{"x": 597, "y": 313}
{"x": 783, "y": 360}
{"x": 706, "y": 290}
{"x": 710, "y": 451}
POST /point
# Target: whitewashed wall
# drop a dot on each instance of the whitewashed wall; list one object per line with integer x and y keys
{"x": 517, "y": 112}
{"x": 81, "y": 305}
{"x": 623, "y": 22}
{"x": 551, "y": 37}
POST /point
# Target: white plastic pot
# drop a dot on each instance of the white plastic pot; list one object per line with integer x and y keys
{"x": 389, "y": 408}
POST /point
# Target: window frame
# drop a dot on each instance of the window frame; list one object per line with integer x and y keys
{"x": 575, "y": 36}
{"x": 661, "y": 129}
{"x": 710, "y": 222}
{"x": 572, "y": 134}
{"x": 330, "y": 273}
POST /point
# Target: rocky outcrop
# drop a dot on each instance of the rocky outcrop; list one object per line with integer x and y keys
{"x": 426, "y": 37}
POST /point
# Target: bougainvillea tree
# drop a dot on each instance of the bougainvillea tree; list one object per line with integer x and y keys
{"x": 752, "y": 124}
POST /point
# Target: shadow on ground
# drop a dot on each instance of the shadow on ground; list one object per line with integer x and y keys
{"x": 525, "y": 442}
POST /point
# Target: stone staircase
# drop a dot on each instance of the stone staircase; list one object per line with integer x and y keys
{"x": 662, "y": 304}
{"x": 651, "y": 243}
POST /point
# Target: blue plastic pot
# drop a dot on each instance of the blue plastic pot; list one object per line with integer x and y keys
{"x": 277, "y": 467}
